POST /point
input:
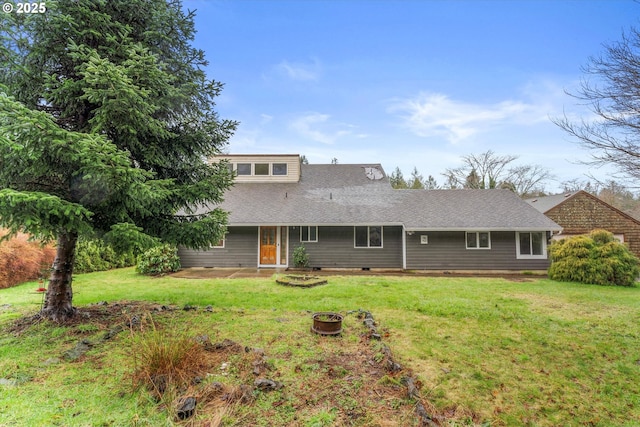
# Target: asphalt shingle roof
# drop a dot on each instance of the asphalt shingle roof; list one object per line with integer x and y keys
{"x": 546, "y": 203}
{"x": 344, "y": 195}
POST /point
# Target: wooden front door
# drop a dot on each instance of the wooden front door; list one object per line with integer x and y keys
{"x": 268, "y": 245}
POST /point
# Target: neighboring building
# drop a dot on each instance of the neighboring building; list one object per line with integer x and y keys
{"x": 348, "y": 216}
{"x": 580, "y": 213}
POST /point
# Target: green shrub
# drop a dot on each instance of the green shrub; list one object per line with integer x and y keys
{"x": 160, "y": 260}
{"x": 95, "y": 255}
{"x": 597, "y": 258}
{"x": 300, "y": 257}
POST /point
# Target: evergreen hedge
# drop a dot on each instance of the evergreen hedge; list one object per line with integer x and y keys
{"x": 95, "y": 255}
{"x": 597, "y": 258}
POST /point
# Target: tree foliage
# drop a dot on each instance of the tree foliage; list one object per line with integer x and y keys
{"x": 159, "y": 260}
{"x": 611, "y": 90}
{"x": 489, "y": 170}
{"x": 415, "y": 182}
{"x": 106, "y": 121}
{"x": 597, "y": 258}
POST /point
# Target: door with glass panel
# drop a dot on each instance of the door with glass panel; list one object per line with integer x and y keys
{"x": 273, "y": 246}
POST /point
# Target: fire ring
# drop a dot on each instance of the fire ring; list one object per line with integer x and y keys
{"x": 327, "y": 323}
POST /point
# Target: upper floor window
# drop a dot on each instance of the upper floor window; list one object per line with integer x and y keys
{"x": 368, "y": 237}
{"x": 243, "y": 168}
{"x": 279, "y": 169}
{"x": 478, "y": 240}
{"x": 309, "y": 233}
{"x": 261, "y": 168}
{"x": 531, "y": 245}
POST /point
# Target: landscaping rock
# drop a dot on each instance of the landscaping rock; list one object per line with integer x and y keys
{"x": 78, "y": 351}
{"x": 205, "y": 342}
{"x": 264, "y": 384}
{"x": 226, "y": 344}
{"x": 412, "y": 390}
{"x": 134, "y": 321}
{"x": 186, "y": 407}
{"x": 112, "y": 332}
{"x": 51, "y": 361}
{"x": 426, "y": 420}
{"x": 8, "y": 382}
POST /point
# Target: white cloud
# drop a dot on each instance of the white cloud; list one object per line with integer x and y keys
{"x": 299, "y": 71}
{"x": 317, "y": 127}
{"x": 265, "y": 118}
{"x": 433, "y": 114}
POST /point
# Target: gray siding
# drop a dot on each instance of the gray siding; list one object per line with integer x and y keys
{"x": 335, "y": 249}
{"x": 240, "y": 250}
{"x": 447, "y": 251}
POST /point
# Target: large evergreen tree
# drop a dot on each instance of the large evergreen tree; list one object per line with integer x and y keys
{"x": 106, "y": 121}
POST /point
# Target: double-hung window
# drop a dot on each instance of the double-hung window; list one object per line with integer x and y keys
{"x": 531, "y": 245}
{"x": 478, "y": 240}
{"x": 309, "y": 233}
{"x": 368, "y": 236}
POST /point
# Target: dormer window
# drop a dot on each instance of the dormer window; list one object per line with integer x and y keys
{"x": 264, "y": 168}
{"x": 261, "y": 168}
{"x": 243, "y": 168}
{"x": 279, "y": 169}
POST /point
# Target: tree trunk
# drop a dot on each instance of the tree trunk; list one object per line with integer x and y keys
{"x": 58, "y": 302}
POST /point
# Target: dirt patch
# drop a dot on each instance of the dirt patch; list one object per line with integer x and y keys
{"x": 101, "y": 316}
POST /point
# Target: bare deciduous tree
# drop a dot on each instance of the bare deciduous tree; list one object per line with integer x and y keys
{"x": 611, "y": 90}
{"x": 489, "y": 170}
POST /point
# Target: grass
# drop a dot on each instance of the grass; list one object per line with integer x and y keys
{"x": 485, "y": 350}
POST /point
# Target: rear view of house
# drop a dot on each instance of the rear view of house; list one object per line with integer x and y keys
{"x": 349, "y": 216}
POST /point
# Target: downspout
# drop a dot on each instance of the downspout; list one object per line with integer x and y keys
{"x": 404, "y": 247}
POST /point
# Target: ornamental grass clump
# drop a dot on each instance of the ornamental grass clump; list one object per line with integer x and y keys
{"x": 165, "y": 360}
{"x": 597, "y": 258}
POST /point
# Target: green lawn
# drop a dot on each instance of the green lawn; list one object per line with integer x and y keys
{"x": 499, "y": 352}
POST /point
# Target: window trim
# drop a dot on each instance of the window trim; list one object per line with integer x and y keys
{"x": 308, "y": 227}
{"x": 214, "y": 246}
{"x": 381, "y": 227}
{"x": 519, "y": 255}
{"x": 477, "y": 246}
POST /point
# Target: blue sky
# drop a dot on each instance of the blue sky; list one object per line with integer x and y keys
{"x": 407, "y": 83}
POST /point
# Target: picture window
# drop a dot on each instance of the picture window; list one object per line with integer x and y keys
{"x": 368, "y": 236}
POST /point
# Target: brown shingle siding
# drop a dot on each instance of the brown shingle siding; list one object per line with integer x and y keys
{"x": 583, "y": 213}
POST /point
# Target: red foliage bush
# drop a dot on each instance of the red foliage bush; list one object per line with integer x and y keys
{"x": 22, "y": 260}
